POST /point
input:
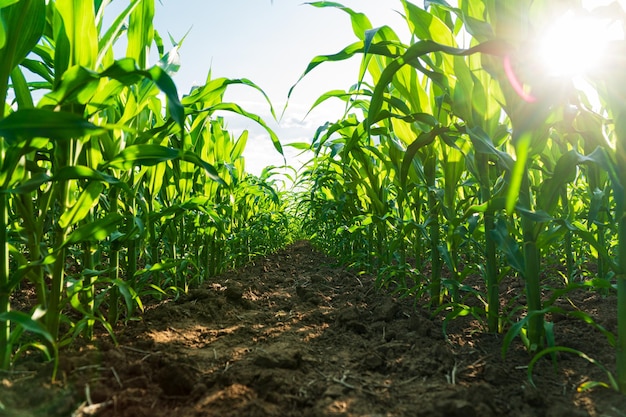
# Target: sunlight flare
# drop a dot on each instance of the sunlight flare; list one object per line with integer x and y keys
{"x": 576, "y": 44}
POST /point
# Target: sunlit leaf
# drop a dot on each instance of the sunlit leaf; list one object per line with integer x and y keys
{"x": 30, "y": 123}
{"x": 96, "y": 231}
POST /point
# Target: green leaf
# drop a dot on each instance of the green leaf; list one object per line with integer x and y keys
{"x": 3, "y": 31}
{"x": 74, "y": 172}
{"x": 589, "y": 237}
{"x": 539, "y": 216}
{"x": 81, "y": 172}
{"x": 107, "y": 40}
{"x": 554, "y": 349}
{"x": 40, "y": 69}
{"x": 237, "y": 109}
{"x": 411, "y": 56}
{"x": 142, "y": 155}
{"x": 28, "y": 324}
{"x": 508, "y": 245}
{"x": 79, "y": 25}
{"x": 164, "y": 266}
{"x": 424, "y": 139}
{"x": 564, "y": 173}
{"x": 87, "y": 200}
{"x": 302, "y": 146}
{"x": 80, "y": 83}
{"x": 150, "y": 154}
{"x": 213, "y": 92}
{"x": 23, "y": 24}
{"x": 167, "y": 86}
{"x": 31, "y": 123}
{"x": 484, "y": 144}
{"x": 210, "y": 169}
{"x": 20, "y": 88}
{"x": 129, "y": 294}
{"x": 239, "y": 146}
{"x": 95, "y": 231}
{"x": 344, "y": 54}
{"x": 522, "y": 148}
{"x": 425, "y": 25}
{"x": 140, "y": 32}
{"x": 360, "y": 22}
{"x": 513, "y": 332}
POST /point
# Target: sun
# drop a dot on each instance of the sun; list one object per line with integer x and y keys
{"x": 576, "y": 44}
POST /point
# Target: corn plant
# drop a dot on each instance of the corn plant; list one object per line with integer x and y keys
{"x": 448, "y": 123}
{"x": 23, "y": 25}
{"x": 113, "y": 172}
{"x": 609, "y": 83}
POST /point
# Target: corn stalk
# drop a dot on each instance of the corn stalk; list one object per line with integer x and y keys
{"x": 22, "y": 27}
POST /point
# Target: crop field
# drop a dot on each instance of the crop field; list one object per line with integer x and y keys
{"x": 454, "y": 246}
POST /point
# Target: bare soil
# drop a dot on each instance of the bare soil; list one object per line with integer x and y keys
{"x": 295, "y": 335}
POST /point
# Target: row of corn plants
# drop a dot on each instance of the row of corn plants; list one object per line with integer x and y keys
{"x": 458, "y": 156}
{"x": 112, "y": 186}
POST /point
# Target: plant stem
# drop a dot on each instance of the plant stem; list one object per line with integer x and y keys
{"x": 533, "y": 295}
{"x": 5, "y": 304}
{"x": 620, "y": 161}
{"x": 27, "y": 211}
{"x": 56, "y": 286}
{"x": 115, "y": 266}
{"x": 62, "y": 158}
{"x": 621, "y": 307}
{"x": 430, "y": 168}
{"x": 491, "y": 269}
{"x": 5, "y": 291}
{"x": 532, "y": 259}
{"x": 493, "y": 289}
{"x": 89, "y": 295}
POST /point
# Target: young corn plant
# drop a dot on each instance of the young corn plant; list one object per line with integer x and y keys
{"x": 609, "y": 82}
{"x": 103, "y": 168}
{"x": 434, "y": 109}
{"x": 23, "y": 25}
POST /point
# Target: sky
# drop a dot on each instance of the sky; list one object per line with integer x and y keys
{"x": 270, "y": 43}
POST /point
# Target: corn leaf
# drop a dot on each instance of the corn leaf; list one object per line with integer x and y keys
{"x": 95, "y": 231}
{"x": 22, "y": 24}
{"x": 28, "y": 324}
{"x": 79, "y": 25}
{"x": 87, "y": 200}
{"x": 31, "y": 123}
{"x": 140, "y": 32}
{"x": 360, "y": 22}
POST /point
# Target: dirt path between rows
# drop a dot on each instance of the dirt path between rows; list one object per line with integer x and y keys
{"x": 294, "y": 335}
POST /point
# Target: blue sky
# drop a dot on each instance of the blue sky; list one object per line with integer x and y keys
{"x": 270, "y": 43}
